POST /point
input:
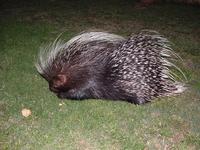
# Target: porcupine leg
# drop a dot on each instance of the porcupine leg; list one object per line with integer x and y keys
{"x": 136, "y": 100}
{"x": 140, "y": 101}
{"x": 72, "y": 94}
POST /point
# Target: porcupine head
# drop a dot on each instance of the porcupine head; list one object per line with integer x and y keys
{"x": 107, "y": 66}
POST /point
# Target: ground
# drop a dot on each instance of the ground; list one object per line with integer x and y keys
{"x": 166, "y": 123}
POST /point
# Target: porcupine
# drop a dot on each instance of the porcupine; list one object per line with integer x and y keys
{"x": 101, "y": 65}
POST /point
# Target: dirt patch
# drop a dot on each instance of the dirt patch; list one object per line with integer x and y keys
{"x": 83, "y": 144}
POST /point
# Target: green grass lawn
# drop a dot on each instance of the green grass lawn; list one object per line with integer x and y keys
{"x": 166, "y": 123}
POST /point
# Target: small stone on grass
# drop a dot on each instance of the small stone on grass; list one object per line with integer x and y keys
{"x": 26, "y": 112}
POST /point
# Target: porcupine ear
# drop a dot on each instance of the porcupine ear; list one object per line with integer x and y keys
{"x": 60, "y": 80}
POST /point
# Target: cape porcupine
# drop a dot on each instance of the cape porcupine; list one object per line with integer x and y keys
{"x": 102, "y": 65}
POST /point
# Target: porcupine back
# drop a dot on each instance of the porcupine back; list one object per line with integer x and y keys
{"x": 142, "y": 66}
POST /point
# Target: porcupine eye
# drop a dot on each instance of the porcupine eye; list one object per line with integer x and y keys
{"x": 57, "y": 83}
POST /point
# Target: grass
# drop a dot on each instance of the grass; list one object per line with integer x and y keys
{"x": 166, "y": 123}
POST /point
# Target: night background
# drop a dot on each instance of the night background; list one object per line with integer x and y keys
{"x": 166, "y": 123}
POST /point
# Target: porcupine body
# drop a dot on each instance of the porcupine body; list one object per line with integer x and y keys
{"x": 101, "y": 65}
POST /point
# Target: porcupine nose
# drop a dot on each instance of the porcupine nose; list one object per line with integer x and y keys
{"x": 53, "y": 88}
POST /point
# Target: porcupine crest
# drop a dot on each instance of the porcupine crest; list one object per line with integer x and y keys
{"x": 139, "y": 67}
{"x": 59, "y": 49}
